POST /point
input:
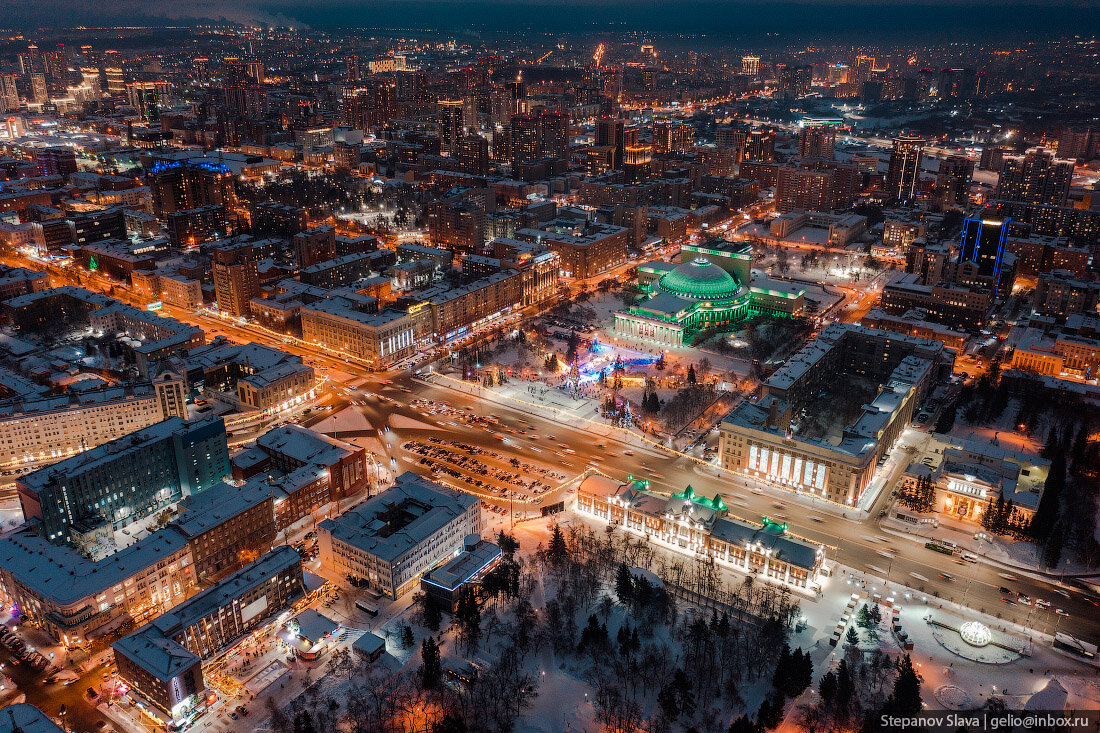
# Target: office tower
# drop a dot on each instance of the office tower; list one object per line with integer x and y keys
{"x": 637, "y": 163}
{"x": 450, "y": 116}
{"x": 125, "y": 480}
{"x": 236, "y": 281}
{"x": 953, "y": 181}
{"x": 472, "y": 154}
{"x": 817, "y": 141}
{"x": 1035, "y": 178}
{"x": 760, "y": 146}
{"x": 39, "y": 93}
{"x": 189, "y": 184}
{"x": 9, "y": 93}
{"x": 983, "y": 243}
{"x": 56, "y": 160}
{"x": 903, "y": 175}
{"x": 750, "y": 65}
{"x": 671, "y": 137}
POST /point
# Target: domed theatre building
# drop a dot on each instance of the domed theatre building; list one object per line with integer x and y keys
{"x": 710, "y": 288}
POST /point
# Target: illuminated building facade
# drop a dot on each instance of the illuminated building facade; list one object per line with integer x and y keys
{"x": 709, "y": 289}
{"x": 690, "y": 522}
{"x": 761, "y": 439}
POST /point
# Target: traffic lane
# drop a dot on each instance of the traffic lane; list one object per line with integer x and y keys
{"x": 80, "y": 712}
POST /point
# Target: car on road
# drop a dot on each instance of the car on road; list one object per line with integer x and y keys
{"x": 1060, "y": 612}
{"x": 1004, "y": 590}
{"x": 1041, "y": 603}
{"x": 947, "y": 576}
{"x": 1009, "y": 601}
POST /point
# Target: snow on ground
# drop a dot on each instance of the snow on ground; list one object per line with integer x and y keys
{"x": 347, "y": 419}
{"x": 401, "y": 422}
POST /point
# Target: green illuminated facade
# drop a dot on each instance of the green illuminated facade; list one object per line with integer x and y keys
{"x": 708, "y": 289}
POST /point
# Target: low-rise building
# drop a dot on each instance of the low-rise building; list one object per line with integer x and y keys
{"x": 162, "y": 661}
{"x": 696, "y": 524}
{"x": 445, "y": 583}
{"x": 761, "y": 438}
{"x": 387, "y": 542}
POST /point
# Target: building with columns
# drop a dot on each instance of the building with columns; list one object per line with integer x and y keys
{"x": 694, "y": 523}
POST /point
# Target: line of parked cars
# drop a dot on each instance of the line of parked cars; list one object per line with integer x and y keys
{"x": 20, "y": 651}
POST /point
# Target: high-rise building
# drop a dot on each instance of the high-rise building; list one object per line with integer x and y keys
{"x": 472, "y": 154}
{"x": 903, "y": 175}
{"x": 1078, "y": 143}
{"x": 236, "y": 281}
{"x": 802, "y": 189}
{"x": 451, "y": 118}
{"x": 795, "y": 81}
{"x": 9, "y": 93}
{"x": 983, "y": 243}
{"x": 189, "y": 184}
{"x": 671, "y": 137}
{"x": 817, "y": 141}
{"x": 246, "y": 100}
{"x": 39, "y": 93}
{"x": 539, "y": 136}
{"x": 116, "y": 81}
{"x": 147, "y": 97}
{"x": 760, "y": 146}
{"x": 637, "y": 163}
{"x": 610, "y": 134}
{"x": 750, "y": 65}
{"x": 1036, "y": 177}
{"x": 953, "y": 181}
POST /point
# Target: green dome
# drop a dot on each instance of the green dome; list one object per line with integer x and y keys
{"x": 700, "y": 279}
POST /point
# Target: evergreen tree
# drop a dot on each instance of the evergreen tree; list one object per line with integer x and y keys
{"x": 431, "y": 669}
{"x": 691, "y": 380}
{"x": 406, "y": 636}
{"x": 743, "y": 725}
{"x": 782, "y": 675}
{"x": 557, "y": 552}
{"x": 624, "y": 585}
{"x": 852, "y": 637}
{"x": 433, "y": 614}
{"x": 827, "y": 688}
{"x": 1052, "y": 552}
{"x": 875, "y": 616}
{"x": 946, "y": 420}
{"x": 905, "y": 699}
{"x": 507, "y": 544}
